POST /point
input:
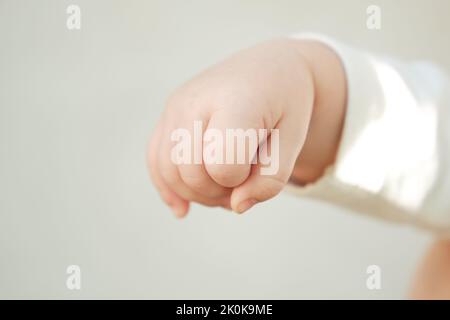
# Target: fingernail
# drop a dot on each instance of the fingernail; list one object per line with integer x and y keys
{"x": 245, "y": 205}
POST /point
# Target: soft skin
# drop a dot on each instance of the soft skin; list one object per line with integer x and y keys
{"x": 296, "y": 86}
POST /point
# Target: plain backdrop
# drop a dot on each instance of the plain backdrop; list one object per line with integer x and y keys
{"x": 76, "y": 112}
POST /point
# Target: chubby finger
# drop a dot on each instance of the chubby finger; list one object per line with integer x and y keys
{"x": 230, "y": 143}
{"x": 193, "y": 173}
{"x": 170, "y": 173}
{"x": 179, "y": 206}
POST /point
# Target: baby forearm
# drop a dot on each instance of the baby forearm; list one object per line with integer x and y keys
{"x": 330, "y": 94}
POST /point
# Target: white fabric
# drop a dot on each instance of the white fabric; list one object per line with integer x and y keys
{"x": 394, "y": 156}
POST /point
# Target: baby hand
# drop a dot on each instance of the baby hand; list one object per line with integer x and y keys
{"x": 280, "y": 88}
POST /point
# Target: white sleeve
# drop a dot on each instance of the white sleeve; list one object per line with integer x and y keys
{"x": 393, "y": 160}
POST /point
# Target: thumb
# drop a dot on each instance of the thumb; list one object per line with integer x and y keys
{"x": 276, "y": 160}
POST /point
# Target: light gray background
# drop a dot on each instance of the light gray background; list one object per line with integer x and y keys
{"x": 77, "y": 108}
